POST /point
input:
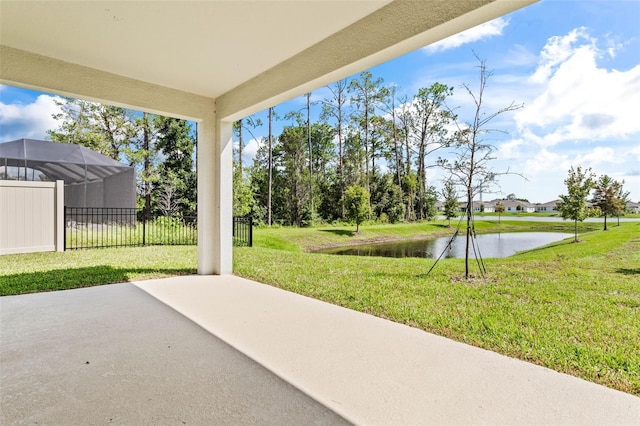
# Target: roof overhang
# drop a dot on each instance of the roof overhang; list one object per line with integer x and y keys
{"x": 184, "y": 58}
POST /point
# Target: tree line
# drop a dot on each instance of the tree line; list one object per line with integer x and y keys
{"x": 368, "y": 156}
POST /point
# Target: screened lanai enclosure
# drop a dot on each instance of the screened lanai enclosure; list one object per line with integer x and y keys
{"x": 90, "y": 179}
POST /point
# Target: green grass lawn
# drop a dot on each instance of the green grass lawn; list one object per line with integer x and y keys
{"x": 35, "y": 272}
{"x": 571, "y": 307}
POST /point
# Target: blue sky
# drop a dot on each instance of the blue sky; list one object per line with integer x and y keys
{"x": 575, "y": 65}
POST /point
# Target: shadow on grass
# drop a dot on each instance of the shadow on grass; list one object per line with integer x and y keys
{"x": 628, "y": 271}
{"x": 65, "y": 279}
{"x": 443, "y": 225}
{"x": 342, "y": 232}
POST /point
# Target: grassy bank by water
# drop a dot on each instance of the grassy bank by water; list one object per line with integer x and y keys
{"x": 571, "y": 307}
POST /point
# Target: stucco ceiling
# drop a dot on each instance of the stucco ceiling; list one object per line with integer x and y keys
{"x": 247, "y": 54}
{"x": 204, "y": 47}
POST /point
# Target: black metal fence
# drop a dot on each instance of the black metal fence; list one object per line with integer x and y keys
{"x": 95, "y": 227}
{"x": 243, "y": 231}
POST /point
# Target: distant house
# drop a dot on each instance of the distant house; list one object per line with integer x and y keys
{"x": 515, "y": 206}
{"x": 548, "y": 207}
{"x": 479, "y": 207}
{"x": 633, "y": 207}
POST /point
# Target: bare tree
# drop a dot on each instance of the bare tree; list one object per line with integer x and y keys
{"x": 168, "y": 203}
{"x": 470, "y": 167}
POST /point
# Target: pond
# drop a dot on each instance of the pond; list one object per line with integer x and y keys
{"x": 491, "y": 245}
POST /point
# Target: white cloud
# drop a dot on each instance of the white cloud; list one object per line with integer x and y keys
{"x": 599, "y": 155}
{"x": 544, "y": 162}
{"x": 249, "y": 151}
{"x": 486, "y": 30}
{"x": 28, "y": 120}
{"x": 557, "y": 50}
{"x": 510, "y": 150}
{"x": 580, "y": 101}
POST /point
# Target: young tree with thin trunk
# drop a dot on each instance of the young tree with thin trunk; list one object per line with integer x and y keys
{"x": 574, "y": 205}
{"x": 471, "y": 166}
{"x": 358, "y": 208}
{"x": 451, "y": 205}
{"x": 608, "y": 197}
{"x": 499, "y": 210}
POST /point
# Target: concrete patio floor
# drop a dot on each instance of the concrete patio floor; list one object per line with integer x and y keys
{"x": 225, "y": 350}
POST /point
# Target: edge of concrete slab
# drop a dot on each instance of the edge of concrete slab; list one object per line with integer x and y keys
{"x": 373, "y": 371}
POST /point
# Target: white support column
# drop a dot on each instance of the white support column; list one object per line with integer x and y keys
{"x": 215, "y": 200}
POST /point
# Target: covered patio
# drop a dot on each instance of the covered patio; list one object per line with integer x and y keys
{"x": 214, "y": 348}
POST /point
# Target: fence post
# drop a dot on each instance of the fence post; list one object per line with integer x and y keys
{"x": 250, "y": 231}
{"x": 144, "y": 226}
{"x": 65, "y": 228}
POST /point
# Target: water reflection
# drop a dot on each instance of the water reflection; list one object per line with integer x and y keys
{"x": 491, "y": 245}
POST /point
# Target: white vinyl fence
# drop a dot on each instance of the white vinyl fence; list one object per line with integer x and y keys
{"x": 31, "y": 216}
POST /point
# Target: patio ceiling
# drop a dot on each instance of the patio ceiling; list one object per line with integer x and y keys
{"x": 248, "y": 55}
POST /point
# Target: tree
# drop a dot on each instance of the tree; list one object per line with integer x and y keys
{"x": 176, "y": 144}
{"x": 386, "y": 198}
{"x": 574, "y": 205}
{"x": 335, "y": 108}
{"x": 290, "y": 157}
{"x": 499, "y": 209}
{"x": 142, "y": 151}
{"x": 270, "y": 167}
{"x": 242, "y": 194}
{"x": 247, "y": 124}
{"x": 357, "y": 203}
{"x": 167, "y": 202}
{"x": 367, "y": 96}
{"x": 116, "y": 132}
{"x": 389, "y": 107}
{"x": 450, "y": 196}
{"x": 429, "y": 121}
{"x": 470, "y": 168}
{"x": 102, "y": 128}
{"x": 409, "y": 180}
{"x": 608, "y": 197}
